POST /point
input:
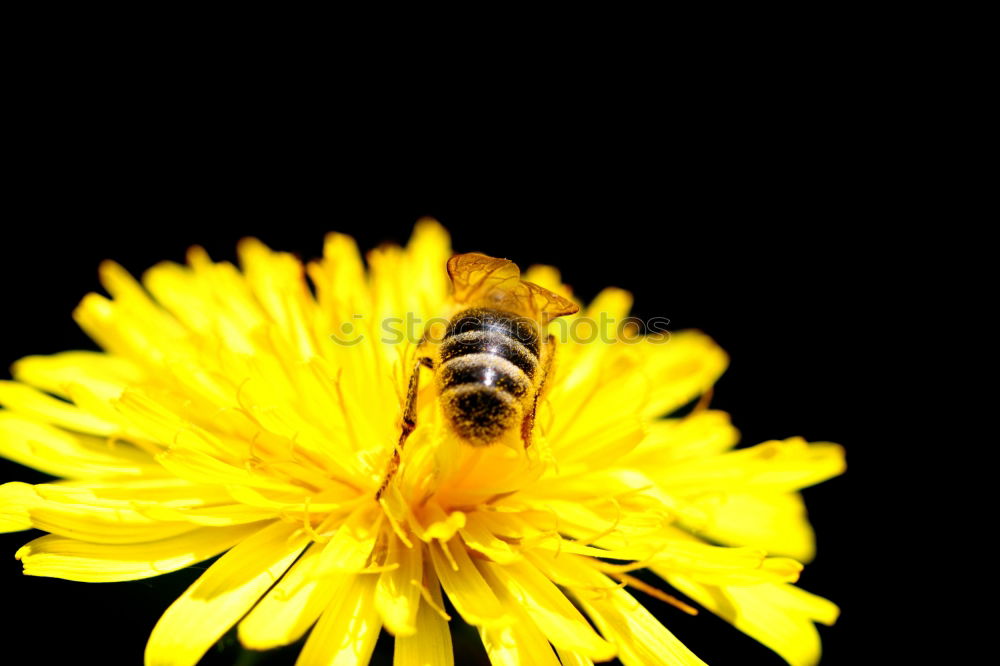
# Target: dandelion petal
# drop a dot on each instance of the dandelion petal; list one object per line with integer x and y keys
{"x": 222, "y": 595}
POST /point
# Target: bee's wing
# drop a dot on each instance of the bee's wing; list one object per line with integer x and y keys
{"x": 548, "y": 304}
{"x": 473, "y": 275}
{"x": 479, "y": 278}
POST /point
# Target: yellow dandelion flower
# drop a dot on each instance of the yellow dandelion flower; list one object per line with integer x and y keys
{"x": 242, "y": 413}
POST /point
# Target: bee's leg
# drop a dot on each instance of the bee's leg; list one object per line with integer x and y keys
{"x": 409, "y": 421}
{"x": 528, "y": 423}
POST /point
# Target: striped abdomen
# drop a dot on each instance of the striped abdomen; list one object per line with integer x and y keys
{"x": 489, "y": 360}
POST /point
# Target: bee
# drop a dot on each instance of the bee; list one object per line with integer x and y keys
{"x": 492, "y": 361}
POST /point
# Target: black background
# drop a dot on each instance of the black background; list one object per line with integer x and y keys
{"x": 763, "y": 245}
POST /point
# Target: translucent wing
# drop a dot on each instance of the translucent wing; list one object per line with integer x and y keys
{"x": 473, "y": 275}
{"x": 548, "y": 303}
{"x": 486, "y": 281}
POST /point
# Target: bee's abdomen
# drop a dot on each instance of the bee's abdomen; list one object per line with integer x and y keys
{"x": 488, "y": 370}
{"x": 493, "y": 344}
{"x": 487, "y": 361}
{"x": 479, "y": 414}
{"x": 496, "y": 325}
